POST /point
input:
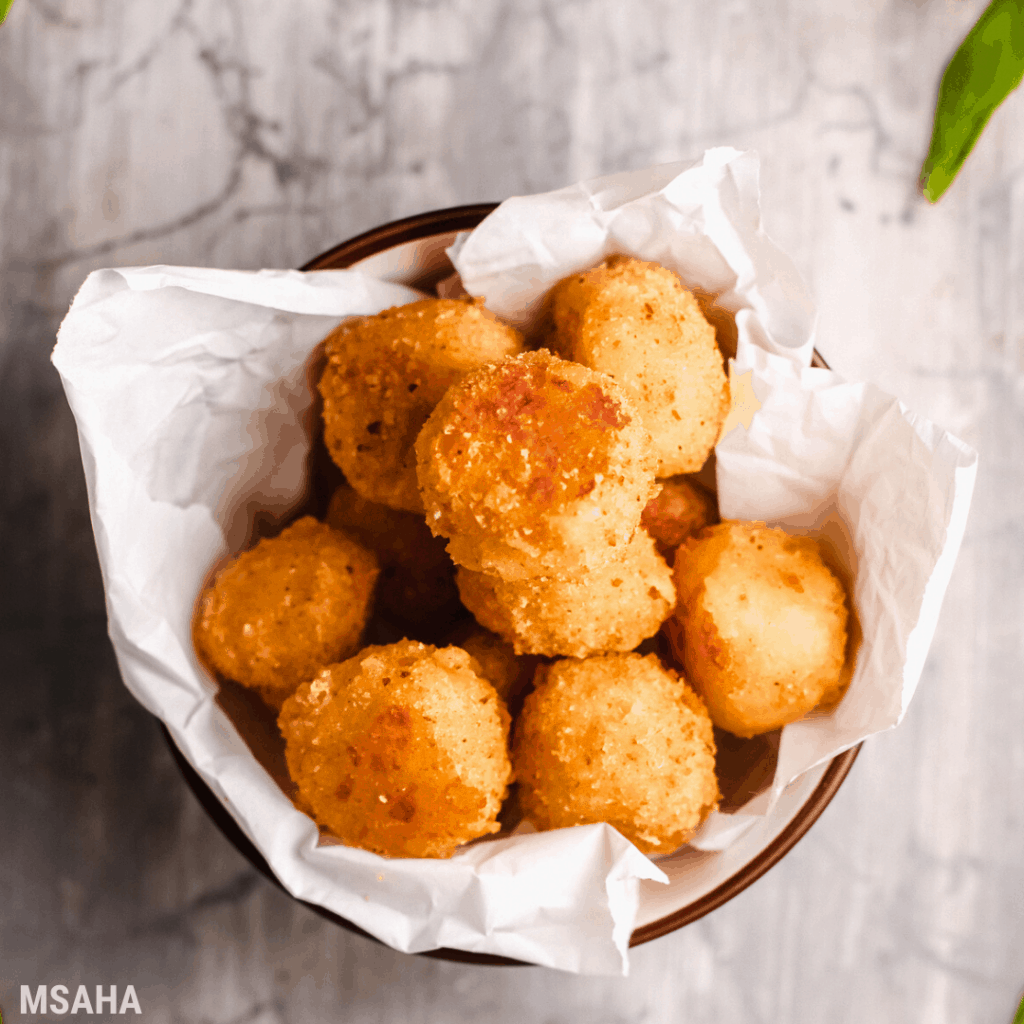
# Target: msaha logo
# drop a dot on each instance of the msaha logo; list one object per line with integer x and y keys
{"x": 57, "y": 1004}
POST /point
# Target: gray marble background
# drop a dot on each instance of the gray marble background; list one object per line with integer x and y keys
{"x": 258, "y": 133}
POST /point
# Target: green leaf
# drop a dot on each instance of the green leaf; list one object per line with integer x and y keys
{"x": 987, "y": 67}
{"x": 1018, "y": 1017}
{"x": 5, "y": 6}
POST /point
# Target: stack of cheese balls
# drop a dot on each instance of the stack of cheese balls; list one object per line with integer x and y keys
{"x": 545, "y": 487}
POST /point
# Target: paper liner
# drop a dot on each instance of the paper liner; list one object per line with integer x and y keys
{"x": 193, "y": 394}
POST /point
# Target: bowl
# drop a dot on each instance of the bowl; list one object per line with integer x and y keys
{"x": 412, "y": 251}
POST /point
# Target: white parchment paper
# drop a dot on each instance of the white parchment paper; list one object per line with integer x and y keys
{"x": 191, "y": 393}
{"x": 890, "y": 490}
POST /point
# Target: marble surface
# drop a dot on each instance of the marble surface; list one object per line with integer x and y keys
{"x": 231, "y": 134}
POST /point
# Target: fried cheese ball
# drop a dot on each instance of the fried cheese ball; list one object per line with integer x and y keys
{"x": 681, "y": 508}
{"x": 616, "y": 738}
{"x": 612, "y": 608}
{"x": 385, "y": 374}
{"x": 760, "y": 626}
{"x": 507, "y": 672}
{"x": 401, "y": 750}
{"x": 535, "y": 466}
{"x": 279, "y": 612}
{"x": 417, "y": 580}
{"x": 637, "y": 323}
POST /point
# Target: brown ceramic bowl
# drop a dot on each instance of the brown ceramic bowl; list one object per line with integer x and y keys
{"x": 412, "y": 251}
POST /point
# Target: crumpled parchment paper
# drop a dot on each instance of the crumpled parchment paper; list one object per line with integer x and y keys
{"x": 192, "y": 396}
{"x": 889, "y": 490}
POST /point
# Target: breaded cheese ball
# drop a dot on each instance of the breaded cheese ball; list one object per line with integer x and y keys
{"x": 279, "y": 612}
{"x": 637, "y": 323}
{"x": 682, "y": 507}
{"x": 507, "y": 672}
{"x": 535, "y": 466}
{"x": 417, "y": 580}
{"x": 612, "y": 608}
{"x": 385, "y": 374}
{"x": 616, "y": 738}
{"x": 401, "y": 750}
{"x": 760, "y": 626}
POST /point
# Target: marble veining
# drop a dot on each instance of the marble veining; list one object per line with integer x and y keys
{"x": 231, "y": 134}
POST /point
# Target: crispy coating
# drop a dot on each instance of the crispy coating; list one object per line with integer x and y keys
{"x": 760, "y": 625}
{"x": 385, "y": 374}
{"x": 535, "y": 466}
{"x": 616, "y": 738}
{"x": 506, "y": 671}
{"x": 417, "y": 580}
{"x": 401, "y": 750}
{"x": 612, "y": 608}
{"x": 681, "y": 508}
{"x": 280, "y": 611}
{"x": 637, "y": 323}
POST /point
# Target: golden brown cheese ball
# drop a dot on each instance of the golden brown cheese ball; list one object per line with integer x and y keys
{"x": 637, "y": 323}
{"x": 499, "y": 664}
{"x": 612, "y": 608}
{"x": 385, "y": 374}
{"x": 760, "y": 626}
{"x": 682, "y": 507}
{"x": 401, "y": 750}
{"x": 417, "y": 580}
{"x": 616, "y": 738}
{"x": 535, "y": 466}
{"x": 280, "y": 611}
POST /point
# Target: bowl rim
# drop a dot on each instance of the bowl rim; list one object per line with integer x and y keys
{"x": 794, "y": 831}
{"x": 398, "y": 232}
{"x": 340, "y": 257}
